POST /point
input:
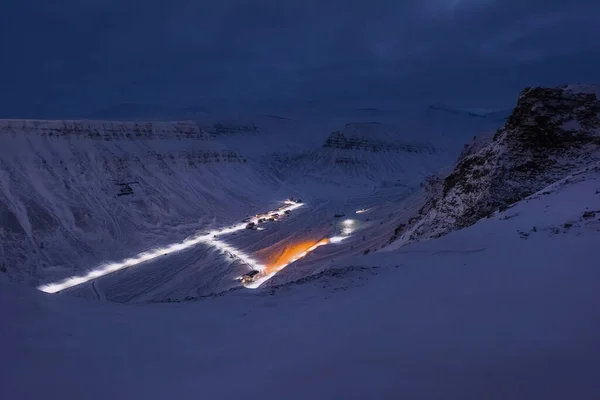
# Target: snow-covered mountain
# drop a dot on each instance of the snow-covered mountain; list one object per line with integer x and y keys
{"x": 551, "y": 133}
{"x": 504, "y": 308}
{"x": 80, "y": 194}
{"x": 360, "y": 158}
{"x": 303, "y": 126}
{"x": 76, "y": 194}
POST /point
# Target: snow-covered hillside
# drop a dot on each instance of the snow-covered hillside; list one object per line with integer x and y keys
{"x": 362, "y": 158}
{"x": 76, "y": 194}
{"x": 79, "y": 195}
{"x": 551, "y": 133}
{"x": 504, "y": 309}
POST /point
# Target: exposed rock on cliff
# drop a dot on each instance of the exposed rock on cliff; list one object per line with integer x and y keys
{"x": 551, "y": 133}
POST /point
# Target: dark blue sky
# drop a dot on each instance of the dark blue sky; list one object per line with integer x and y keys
{"x": 74, "y": 57}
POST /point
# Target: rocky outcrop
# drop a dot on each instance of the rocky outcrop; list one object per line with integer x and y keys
{"x": 139, "y": 132}
{"x": 551, "y": 133}
{"x": 374, "y": 137}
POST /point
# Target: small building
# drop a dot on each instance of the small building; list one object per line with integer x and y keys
{"x": 250, "y": 276}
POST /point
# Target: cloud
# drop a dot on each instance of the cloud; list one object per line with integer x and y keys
{"x": 74, "y": 56}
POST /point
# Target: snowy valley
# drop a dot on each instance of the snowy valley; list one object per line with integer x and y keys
{"x": 400, "y": 264}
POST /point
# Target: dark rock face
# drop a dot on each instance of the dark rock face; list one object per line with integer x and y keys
{"x": 550, "y": 118}
{"x": 551, "y": 133}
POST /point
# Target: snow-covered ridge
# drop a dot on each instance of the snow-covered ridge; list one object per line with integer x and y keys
{"x": 551, "y": 133}
{"x": 105, "y": 130}
{"x": 211, "y": 151}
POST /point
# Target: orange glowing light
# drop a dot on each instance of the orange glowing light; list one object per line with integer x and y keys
{"x": 292, "y": 254}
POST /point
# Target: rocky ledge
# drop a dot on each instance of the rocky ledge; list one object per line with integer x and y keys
{"x": 373, "y": 137}
{"x": 551, "y": 133}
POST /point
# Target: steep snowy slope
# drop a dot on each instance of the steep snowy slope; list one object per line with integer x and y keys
{"x": 551, "y": 133}
{"x": 78, "y": 193}
{"x": 504, "y": 309}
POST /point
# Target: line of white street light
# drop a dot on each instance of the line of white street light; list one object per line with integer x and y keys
{"x": 209, "y": 239}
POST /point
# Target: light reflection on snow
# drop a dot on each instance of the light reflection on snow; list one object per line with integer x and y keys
{"x": 297, "y": 252}
{"x": 348, "y": 226}
{"x": 337, "y": 239}
{"x": 301, "y": 250}
{"x": 209, "y": 239}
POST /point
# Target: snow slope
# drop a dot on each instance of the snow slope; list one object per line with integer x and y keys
{"x": 504, "y": 309}
{"x": 75, "y": 194}
{"x": 79, "y": 194}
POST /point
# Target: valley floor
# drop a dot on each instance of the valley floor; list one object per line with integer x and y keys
{"x": 505, "y": 309}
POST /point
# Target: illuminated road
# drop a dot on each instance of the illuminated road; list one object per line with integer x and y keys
{"x": 210, "y": 239}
